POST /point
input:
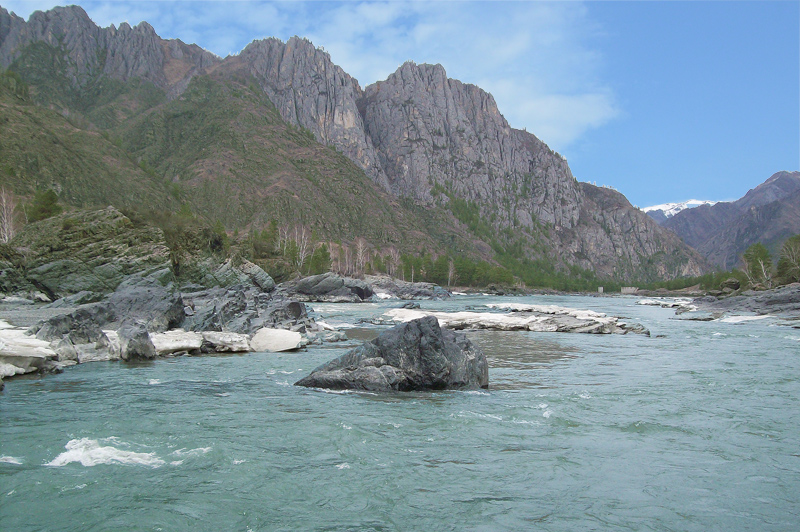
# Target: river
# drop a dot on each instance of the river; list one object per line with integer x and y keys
{"x": 696, "y": 428}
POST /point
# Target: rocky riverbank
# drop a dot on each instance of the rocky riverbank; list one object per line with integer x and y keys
{"x": 519, "y": 317}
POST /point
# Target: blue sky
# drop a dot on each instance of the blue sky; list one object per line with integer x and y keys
{"x": 664, "y": 101}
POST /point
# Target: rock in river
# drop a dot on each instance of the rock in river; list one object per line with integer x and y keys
{"x": 418, "y": 355}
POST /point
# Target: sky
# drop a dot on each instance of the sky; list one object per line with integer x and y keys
{"x": 664, "y": 101}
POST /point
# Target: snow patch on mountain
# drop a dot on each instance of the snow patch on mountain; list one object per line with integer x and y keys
{"x": 671, "y": 209}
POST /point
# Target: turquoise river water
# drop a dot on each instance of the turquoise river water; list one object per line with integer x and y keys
{"x": 697, "y": 430}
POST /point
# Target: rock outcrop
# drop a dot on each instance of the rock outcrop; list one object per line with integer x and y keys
{"x": 311, "y": 92}
{"x": 90, "y": 51}
{"x": 783, "y": 302}
{"x": 328, "y": 287}
{"x": 89, "y": 250}
{"x": 520, "y": 317}
{"x": 418, "y": 355}
{"x": 385, "y": 287}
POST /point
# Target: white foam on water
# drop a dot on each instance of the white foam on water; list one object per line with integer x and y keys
{"x": 542, "y": 406}
{"x": 192, "y": 452}
{"x": 237, "y": 462}
{"x": 718, "y": 334}
{"x": 459, "y": 293}
{"x": 90, "y": 453}
{"x": 345, "y": 427}
{"x": 223, "y": 394}
{"x": 795, "y": 338}
{"x": 153, "y": 382}
{"x": 384, "y": 295}
{"x": 343, "y": 466}
{"x": 743, "y": 319}
{"x": 585, "y": 395}
{"x": 10, "y": 460}
{"x": 546, "y": 414}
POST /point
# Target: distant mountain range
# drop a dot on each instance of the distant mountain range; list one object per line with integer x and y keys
{"x": 660, "y": 213}
{"x": 278, "y": 133}
{"x": 721, "y": 232}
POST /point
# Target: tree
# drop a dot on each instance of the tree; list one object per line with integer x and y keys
{"x": 757, "y": 265}
{"x": 320, "y": 261}
{"x": 451, "y": 273}
{"x": 393, "y": 261}
{"x": 302, "y": 240}
{"x": 8, "y": 215}
{"x": 361, "y": 254}
{"x": 789, "y": 263}
{"x": 44, "y": 205}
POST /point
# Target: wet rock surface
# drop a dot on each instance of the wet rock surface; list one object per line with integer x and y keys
{"x": 418, "y": 355}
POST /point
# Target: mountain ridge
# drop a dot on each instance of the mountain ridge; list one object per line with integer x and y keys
{"x": 768, "y": 213}
{"x": 435, "y": 143}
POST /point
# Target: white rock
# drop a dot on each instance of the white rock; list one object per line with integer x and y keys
{"x": 275, "y": 340}
{"x": 176, "y": 340}
{"x": 524, "y": 317}
{"x": 26, "y": 353}
{"x": 227, "y": 341}
{"x": 9, "y": 370}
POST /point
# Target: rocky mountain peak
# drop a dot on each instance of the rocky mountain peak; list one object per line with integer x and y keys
{"x": 310, "y": 91}
{"x": 122, "y": 53}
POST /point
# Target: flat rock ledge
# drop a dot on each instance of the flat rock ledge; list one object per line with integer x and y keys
{"x": 418, "y": 355}
{"x": 521, "y": 317}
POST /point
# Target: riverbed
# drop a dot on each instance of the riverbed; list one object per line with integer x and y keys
{"x": 693, "y": 428}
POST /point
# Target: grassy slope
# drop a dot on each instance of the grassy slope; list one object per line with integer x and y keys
{"x": 220, "y": 148}
{"x": 40, "y": 149}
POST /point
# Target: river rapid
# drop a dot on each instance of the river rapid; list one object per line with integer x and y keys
{"x": 694, "y": 429}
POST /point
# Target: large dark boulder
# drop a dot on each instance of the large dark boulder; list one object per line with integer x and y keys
{"x": 83, "y": 324}
{"x": 418, "y": 355}
{"x": 242, "y": 309}
{"x": 146, "y": 299}
{"x": 329, "y": 287}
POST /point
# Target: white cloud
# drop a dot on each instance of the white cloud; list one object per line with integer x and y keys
{"x": 536, "y": 58}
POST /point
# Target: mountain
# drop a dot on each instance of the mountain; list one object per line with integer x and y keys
{"x": 768, "y": 213}
{"x": 660, "y": 213}
{"x": 280, "y": 133}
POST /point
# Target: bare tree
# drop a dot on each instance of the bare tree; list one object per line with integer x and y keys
{"x": 393, "y": 262}
{"x": 348, "y": 261}
{"x": 8, "y": 215}
{"x": 451, "y": 273}
{"x": 361, "y": 254}
{"x": 302, "y": 238}
{"x": 283, "y": 239}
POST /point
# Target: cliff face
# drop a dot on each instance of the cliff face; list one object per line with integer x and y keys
{"x": 419, "y": 135}
{"x": 310, "y": 91}
{"x": 430, "y": 130}
{"x": 121, "y": 53}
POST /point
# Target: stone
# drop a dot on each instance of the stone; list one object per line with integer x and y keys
{"x": 225, "y": 342}
{"x": 109, "y": 342}
{"x": 731, "y": 283}
{"x": 329, "y": 287}
{"x": 135, "y": 342}
{"x": 85, "y": 321}
{"x": 144, "y": 298}
{"x": 522, "y": 317}
{"x": 176, "y": 341}
{"x": 417, "y": 355}
{"x": 275, "y": 340}
{"x": 65, "y": 350}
